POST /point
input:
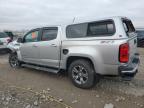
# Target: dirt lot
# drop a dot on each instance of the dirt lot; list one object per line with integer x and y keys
{"x": 29, "y": 88}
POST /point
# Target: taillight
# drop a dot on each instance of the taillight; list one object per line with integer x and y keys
{"x": 9, "y": 40}
{"x": 124, "y": 53}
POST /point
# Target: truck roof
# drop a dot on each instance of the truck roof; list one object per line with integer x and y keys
{"x": 82, "y": 20}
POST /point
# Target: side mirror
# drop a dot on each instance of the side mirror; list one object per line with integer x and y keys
{"x": 20, "y": 40}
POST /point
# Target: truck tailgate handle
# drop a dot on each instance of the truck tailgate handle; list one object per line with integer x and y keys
{"x": 135, "y": 41}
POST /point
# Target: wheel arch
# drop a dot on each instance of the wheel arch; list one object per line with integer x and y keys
{"x": 70, "y": 59}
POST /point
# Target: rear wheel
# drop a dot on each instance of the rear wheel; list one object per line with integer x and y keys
{"x": 13, "y": 60}
{"x": 82, "y": 73}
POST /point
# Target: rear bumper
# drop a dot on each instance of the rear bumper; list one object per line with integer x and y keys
{"x": 3, "y": 49}
{"x": 3, "y": 46}
{"x": 129, "y": 71}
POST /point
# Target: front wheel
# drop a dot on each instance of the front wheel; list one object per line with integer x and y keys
{"x": 13, "y": 60}
{"x": 82, "y": 73}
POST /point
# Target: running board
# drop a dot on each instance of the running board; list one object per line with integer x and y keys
{"x": 40, "y": 68}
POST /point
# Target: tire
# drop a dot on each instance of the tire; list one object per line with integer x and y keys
{"x": 13, "y": 60}
{"x": 82, "y": 74}
{"x": 9, "y": 51}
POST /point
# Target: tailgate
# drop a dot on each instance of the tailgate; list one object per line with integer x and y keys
{"x": 132, "y": 37}
{"x": 132, "y": 45}
{"x": 3, "y": 41}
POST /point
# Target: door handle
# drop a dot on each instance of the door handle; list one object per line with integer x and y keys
{"x": 53, "y": 45}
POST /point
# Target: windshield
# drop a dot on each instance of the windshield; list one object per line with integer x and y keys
{"x": 3, "y": 35}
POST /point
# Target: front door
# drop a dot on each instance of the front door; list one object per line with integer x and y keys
{"x": 30, "y": 49}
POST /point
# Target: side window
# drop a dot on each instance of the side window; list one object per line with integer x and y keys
{"x": 105, "y": 28}
{"x": 31, "y": 37}
{"x": 128, "y": 26}
{"x": 49, "y": 34}
{"x": 92, "y": 29}
{"x": 77, "y": 30}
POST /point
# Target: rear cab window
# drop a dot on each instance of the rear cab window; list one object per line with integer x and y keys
{"x": 91, "y": 29}
{"x": 128, "y": 26}
{"x": 103, "y": 28}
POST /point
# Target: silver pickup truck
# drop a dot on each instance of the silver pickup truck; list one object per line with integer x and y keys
{"x": 85, "y": 49}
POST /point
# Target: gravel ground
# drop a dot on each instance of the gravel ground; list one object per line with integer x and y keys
{"x": 107, "y": 93}
{"x": 12, "y": 97}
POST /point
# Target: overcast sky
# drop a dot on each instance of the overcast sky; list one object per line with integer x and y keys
{"x": 25, "y": 14}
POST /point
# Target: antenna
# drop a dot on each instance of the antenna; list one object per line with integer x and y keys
{"x": 73, "y": 19}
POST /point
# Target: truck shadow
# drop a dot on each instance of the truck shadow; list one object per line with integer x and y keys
{"x": 106, "y": 84}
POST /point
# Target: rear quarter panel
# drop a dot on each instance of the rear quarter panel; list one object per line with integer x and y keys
{"x": 103, "y": 53}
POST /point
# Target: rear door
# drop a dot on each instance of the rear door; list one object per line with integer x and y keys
{"x": 50, "y": 47}
{"x": 130, "y": 31}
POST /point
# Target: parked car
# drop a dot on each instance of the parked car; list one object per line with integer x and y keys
{"x": 10, "y": 34}
{"x": 4, "y": 40}
{"x": 140, "y": 37}
{"x": 84, "y": 49}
